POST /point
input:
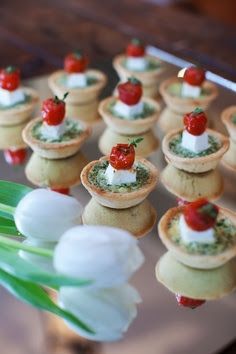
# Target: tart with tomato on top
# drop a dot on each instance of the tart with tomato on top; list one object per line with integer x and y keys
{"x": 53, "y": 135}
{"x": 195, "y": 148}
{"x": 130, "y": 112}
{"x": 228, "y": 117}
{"x": 183, "y": 94}
{"x": 136, "y": 62}
{"x": 120, "y": 180}
{"x": 83, "y": 84}
{"x": 16, "y": 102}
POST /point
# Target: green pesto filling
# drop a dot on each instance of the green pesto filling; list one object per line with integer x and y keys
{"x": 73, "y": 130}
{"x": 176, "y": 147}
{"x": 91, "y": 80}
{"x": 175, "y": 89}
{"x": 152, "y": 65}
{"x": 224, "y": 233}
{"x": 234, "y": 118}
{"x": 147, "y": 111}
{"x": 27, "y": 99}
{"x": 97, "y": 178}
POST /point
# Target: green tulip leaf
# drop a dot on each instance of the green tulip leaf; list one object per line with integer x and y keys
{"x": 8, "y": 227}
{"x": 11, "y": 193}
{"x": 12, "y": 263}
{"x": 36, "y": 296}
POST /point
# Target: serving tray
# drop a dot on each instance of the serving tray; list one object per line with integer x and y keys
{"x": 161, "y": 326}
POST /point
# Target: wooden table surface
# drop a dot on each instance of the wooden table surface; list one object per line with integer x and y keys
{"x": 37, "y": 34}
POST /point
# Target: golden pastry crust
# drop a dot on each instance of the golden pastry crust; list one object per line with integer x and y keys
{"x": 129, "y": 126}
{"x": 145, "y": 148}
{"x": 191, "y": 186}
{"x": 120, "y": 200}
{"x": 194, "y": 260}
{"x": 207, "y": 284}
{"x": 229, "y": 159}
{"x": 21, "y": 113}
{"x": 87, "y": 112}
{"x": 195, "y": 164}
{"x": 170, "y": 120}
{"x": 62, "y": 173}
{"x": 139, "y": 219}
{"x": 148, "y": 77}
{"x": 78, "y": 95}
{"x": 54, "y": 150}
{"x": 226, "y": 118}
{"x": 187, "y": 104}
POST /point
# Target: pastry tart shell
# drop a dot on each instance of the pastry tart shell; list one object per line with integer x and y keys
{"x": 226, "y": 118}
{"x": 11, "y": 136}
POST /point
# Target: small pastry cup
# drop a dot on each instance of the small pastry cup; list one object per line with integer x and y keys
{"x": 20, "y": 113}
{"x": 226, "y": 118}
{"x": 191, "y": 186}
{"x": 78, "y": 95}
{"x": 149, "y": 78}
{"x": 199, "y": 261}
{"x": 145, "y": 148}
{"x": 129, "y": 126}
{"x": 184, "y": 105}
{"x": 87, "y": 112}
{"x": 170, "y": 120}
{"x": 210, "y": 284}
{"x": 54, "y": 150}
{"x": 139, "y": 219}
{"x": 195, "y": 164}
{"x": 229, "y": 159}
{"x": 58, "y": 174}
{"x": 11, "y": 136}
{"x": 120, "y": 200}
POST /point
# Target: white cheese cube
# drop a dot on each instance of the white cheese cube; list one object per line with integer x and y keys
{"x": 190, "y": 90}
{"x": 52, "y": 132}
{"x": 117, "y": 177}
{"x": 136, "y": 63}
{"x": 126, "y": 111}
{"x": 195, "y": 143}
{"x": 189, "y": 235}
{"x": 76, "y": 80}
{"x": 9, "y": 98}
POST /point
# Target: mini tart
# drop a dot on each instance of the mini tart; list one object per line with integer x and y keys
{"x": 147, "y": 77}
{"x": 138, "y": 220}
{"x": 194, "y": 260}
{"x": 145, "y": 148}
{"x": 119, "y": 200}
{"x": 57, "y": 150}
{"x": 78, "y": 95}
{"x": 226, "y": 118}
{"x": 170, "y": 120}
{"x": 209, "y": 284}
{"x": 196, "y": 164}
{"x": 187, "y": 104}
{"x": 129, "y": 126}
{"x": 62, "y": 173}
{"x": 11, "y": 137}
{"x": 191, "y": 186}
{"x": 21, "y": 112}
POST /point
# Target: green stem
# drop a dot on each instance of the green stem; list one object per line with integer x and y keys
{"x": 22, "y": 246}
{"x": 7, "y": 209}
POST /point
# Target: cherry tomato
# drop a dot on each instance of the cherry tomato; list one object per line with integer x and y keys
{"x": 65, "y": 191}
{"x": 53, "y": 110}
{"x": 188, "y": 302}
{"x": 194, "y": 76}
{"x": 135, "y": 48}
{"x": 75, "y": 62}
{"x": 15, "y": 157}
{"x": 195, "y": 122}
{"x": 122, "y": 156}
{"x": 10, "y": 78}
{"x": 130, "y": 92}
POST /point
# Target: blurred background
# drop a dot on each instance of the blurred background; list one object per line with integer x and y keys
{"x": 36, "y": 34}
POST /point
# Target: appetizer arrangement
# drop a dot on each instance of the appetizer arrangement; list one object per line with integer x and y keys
{"x": 17, "y": 104}
{"x": 229, "y": 120}
{"x": 200, "y": 263}
{"x": 146, "y": 68}
{"x": 119, "y": 185}
{"x": 84, "y": 86}
{"x": 182, "y": 95}
{"x": 193, "y": 154}
{"x": 127, "y": 116}
{"x": 55, "y": 141}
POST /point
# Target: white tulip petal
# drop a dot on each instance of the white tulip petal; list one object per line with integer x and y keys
{"x": 107, "y": 255}
{"x": 108, "y": 312}
{"x": 45, "y": 215}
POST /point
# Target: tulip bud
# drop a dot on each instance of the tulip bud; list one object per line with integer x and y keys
{"x": 106, "y": 255}
{"x": 45, "y": 215}
{"x": 108, "y": 312}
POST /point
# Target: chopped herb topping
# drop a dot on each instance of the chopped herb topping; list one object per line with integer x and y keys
{"x": 147, "y": 111}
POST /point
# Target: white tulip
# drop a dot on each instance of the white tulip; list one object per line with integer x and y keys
{"x": 45, "y": 215}
{"x": 106, "y": 255}
{"x": 108, "y": 312}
